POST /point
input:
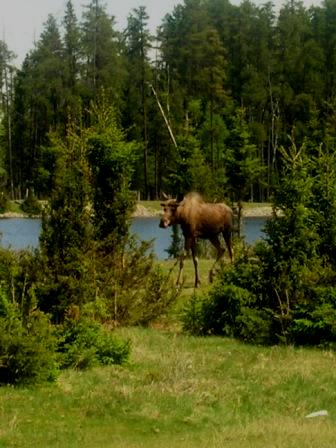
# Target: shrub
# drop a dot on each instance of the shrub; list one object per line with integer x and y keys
{"x": 19, "y": 271}
{"x": 84, "y": 343}
{"x": 3, "y": 202}
{"x": 27, "y": 352}
{"x": 314, "y": 320}
{"x": 255, "y": 326}
{"x": 193, "y": 316}
{"x": 218, "y": 312}
{"x": 31, "y": 205}
{"x": 133, "y": 289}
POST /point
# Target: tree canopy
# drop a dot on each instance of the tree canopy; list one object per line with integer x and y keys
{"x": 234, "y": 80}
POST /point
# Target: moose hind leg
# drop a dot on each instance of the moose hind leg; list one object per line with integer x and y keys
{"x": 220, "y": 252}
{"x": 228, "y": 242}
{"x": 195, "y": 261}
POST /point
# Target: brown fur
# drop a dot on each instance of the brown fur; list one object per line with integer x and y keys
{"x": 199, "y": 219}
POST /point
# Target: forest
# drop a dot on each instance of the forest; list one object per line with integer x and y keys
{"x": 234, "y": 102}
{"x": 207, "y": 101}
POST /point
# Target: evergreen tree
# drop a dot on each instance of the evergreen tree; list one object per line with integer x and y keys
{"x": 242, "y": 166}
{"x": 137, "y": 46}
{"x": 38, "y": 104}
{"x": 6, "y": 99}
{"x": 103, "y": 64}
{"x": 72, "y": 55}
{"x": 66, "y": 228}
{"x": 298, "y": 62}
{"x": 111, "y": 161}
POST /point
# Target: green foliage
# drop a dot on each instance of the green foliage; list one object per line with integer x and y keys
{"x": 314, "y": 319}
{"x": 84, "y": 343}
{"x": 111, "y": 162}
{"x": 323, "y": 198}
{"x": 218, "y": 312}
{"x": 216, "y": 60}
{"x": 255, "y": 325}
{"x": 283, "y": 290}
{"x": 27, "y": 351}
{"x": 176, "y": 245}
{"x": 88, "y": 256}
{"x": 31, "y": 205}
{"x": 242, "y": 166}
{"x": 190, "y": 173}
{"x": 131, "y": 288}
{"x": 19, "y": 273}
{"x": 66, "y": 229}
{"x": 3, "y": 202}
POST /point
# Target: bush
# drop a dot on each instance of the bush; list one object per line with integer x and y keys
{"x": 133, "y": 289}
{"x": 218, "y": 312}
{"x": 193, "y": 316}
{"x": 3, "y": 202}
{"x": 31, "y": 205}
{"x": 140, "y": 306}
{"x": 84, "y": 343}
{"x": 27, "y": 353}
{"x": 255, "y": 326}
{"x": 314, "y": 320}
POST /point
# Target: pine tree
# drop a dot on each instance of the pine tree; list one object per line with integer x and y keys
{"x": 72, "y": 55}
{"x": 137, "y": 46}
{"x": 6, "y": 99}
{"x": 111, "y": 161}
{"x": 38, "y": 105}
{"x": 103, "y": 65}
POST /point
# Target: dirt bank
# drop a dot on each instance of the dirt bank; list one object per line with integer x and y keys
{"x": 146, "y": 212}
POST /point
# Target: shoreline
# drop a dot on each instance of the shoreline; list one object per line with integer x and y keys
{"x": 141, "y": 211}
{"x": 264, "y": 211}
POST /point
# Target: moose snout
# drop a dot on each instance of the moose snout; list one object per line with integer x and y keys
{"x": 163, "y": 223}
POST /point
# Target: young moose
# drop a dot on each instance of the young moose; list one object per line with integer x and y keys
{"x": 199, "y": 219}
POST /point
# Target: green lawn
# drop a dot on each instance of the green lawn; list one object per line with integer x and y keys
{"x": 181, "y": 391}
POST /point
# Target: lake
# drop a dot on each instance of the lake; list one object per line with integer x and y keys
{"x": 21, "y": 233}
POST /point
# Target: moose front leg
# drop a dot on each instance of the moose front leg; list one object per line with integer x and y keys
{"x": 182, "y": 257}
{"x": 189, "y": 244}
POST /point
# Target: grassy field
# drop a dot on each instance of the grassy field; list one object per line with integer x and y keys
{"x": 181, "y": 391}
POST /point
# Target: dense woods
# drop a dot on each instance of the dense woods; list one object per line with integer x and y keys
{"x": 208, "y": 100}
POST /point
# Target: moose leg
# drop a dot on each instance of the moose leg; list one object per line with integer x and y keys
{"x": 187, "y": 245}
{"x": 182, "y": 257}
{"x": 195, "y": 261}
{"x": 227, "y": 239}
{"x": 220, "y": 252}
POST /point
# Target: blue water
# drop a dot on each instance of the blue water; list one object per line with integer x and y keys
{"x": 21, "y": 233}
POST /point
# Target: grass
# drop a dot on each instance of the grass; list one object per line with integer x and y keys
{"x": 152, "y": 206}
{"x": 14, "y": 207}
{"x": 181, "y": 391}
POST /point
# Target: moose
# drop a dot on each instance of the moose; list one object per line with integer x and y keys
{"x": 199, "y": 219}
